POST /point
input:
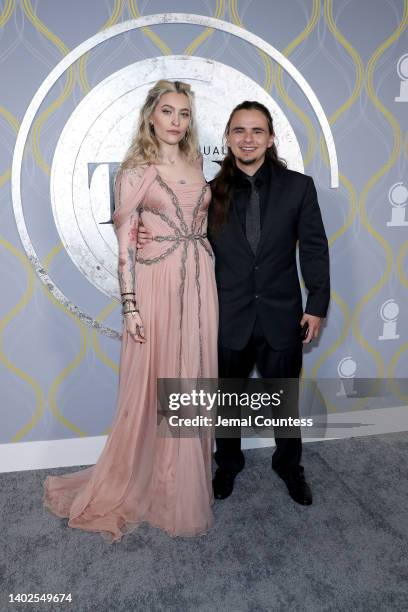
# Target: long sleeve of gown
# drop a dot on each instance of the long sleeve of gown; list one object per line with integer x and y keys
{"x": 126, "y": 219}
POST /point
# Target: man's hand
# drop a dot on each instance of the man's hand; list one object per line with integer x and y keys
{"x": 143, "y": 236}
{"x": 314, "y": 326}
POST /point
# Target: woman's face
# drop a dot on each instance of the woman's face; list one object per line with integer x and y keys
{"x": 171, "y": 117}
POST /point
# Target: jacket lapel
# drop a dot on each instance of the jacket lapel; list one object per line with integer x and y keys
{"x": 242, "y": 235}
{"x": 275, "y": 193}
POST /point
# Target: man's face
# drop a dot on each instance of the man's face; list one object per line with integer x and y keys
{"x": 249, "y": 138}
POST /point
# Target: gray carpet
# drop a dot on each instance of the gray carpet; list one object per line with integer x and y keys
{"x": 348, "y": 551}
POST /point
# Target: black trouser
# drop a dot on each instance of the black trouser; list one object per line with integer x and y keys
{"x": 270, "y": 364}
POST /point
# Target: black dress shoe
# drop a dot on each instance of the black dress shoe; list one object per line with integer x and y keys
{"x": 223, "y": 483}
{"x": 298, "y": 488}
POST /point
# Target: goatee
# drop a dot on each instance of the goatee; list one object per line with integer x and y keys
{"x": 247, "y": 162}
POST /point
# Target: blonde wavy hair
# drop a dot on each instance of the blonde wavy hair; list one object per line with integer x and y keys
{"x": 144, "y": 148}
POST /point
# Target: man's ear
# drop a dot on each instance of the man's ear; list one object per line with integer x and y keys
{"x": 270, "y": 141}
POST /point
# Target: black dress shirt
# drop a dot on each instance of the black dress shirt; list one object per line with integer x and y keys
{"x": 242, "y": 192}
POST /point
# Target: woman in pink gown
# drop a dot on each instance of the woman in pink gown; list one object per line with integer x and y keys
{"x": 170, "y": 331}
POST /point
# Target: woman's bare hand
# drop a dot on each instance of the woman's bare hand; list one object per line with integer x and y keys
{"x": 134, "y": 326}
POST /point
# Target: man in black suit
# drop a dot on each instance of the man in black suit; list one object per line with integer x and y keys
{"x": 259, "y": 211}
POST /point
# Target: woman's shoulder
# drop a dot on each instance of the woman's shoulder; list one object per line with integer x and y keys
{"x": 131, "y": 186}
{"x": 135, "y": 176}
{"x": 136, "y": 171}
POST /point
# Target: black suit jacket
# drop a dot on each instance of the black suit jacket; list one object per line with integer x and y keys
{"x": 266, "y": 285}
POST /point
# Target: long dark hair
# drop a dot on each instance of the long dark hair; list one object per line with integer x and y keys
{"x": 223, "y": 183}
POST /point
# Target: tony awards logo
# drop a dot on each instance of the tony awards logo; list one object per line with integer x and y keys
{"x": 402, "y": 70}
{"x": 346, "y": 369}
{"x": 389, "y": 313}
{"x": 398, "y": 198}
{"x": 96, "y": 135}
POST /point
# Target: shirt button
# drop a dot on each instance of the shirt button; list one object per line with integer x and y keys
{"x": 256, "y": 296}
{"x": 256, "y": 267}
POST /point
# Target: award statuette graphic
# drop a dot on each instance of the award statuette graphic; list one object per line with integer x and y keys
{"x": 402, "y": 70}
{"x": 96, "y": 136}
{"x": 398, "y": 198}
{"x": 346, "y": 370}
{"x": 389, "y": 312}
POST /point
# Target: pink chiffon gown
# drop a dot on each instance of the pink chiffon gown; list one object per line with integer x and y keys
{"x": 141, "y": 475}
